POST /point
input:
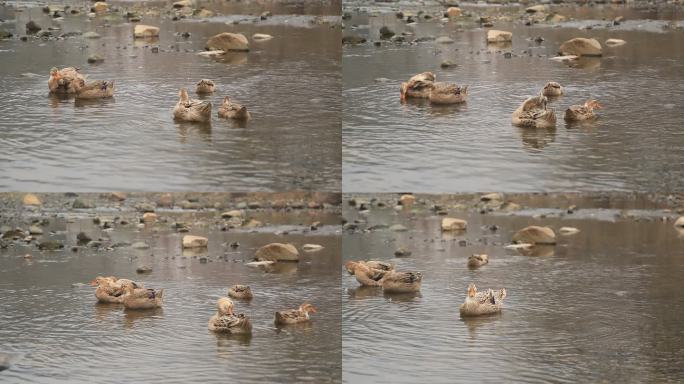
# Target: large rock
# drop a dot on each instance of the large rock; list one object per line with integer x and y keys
{"x": 540, "y": 8}
{"x": 142, "y": 31}
{"x": 580, "y": 46}
{"x": 190, "y": 241}
{"x": 407, "y": 199}
{"x": 535, "y": 235}
{"x": 31, "y": 199}
{"x": 495, "y": 36}
{"x": 227, "y": 41}
{"x": 453, "y": 12}
{"x": 452, "y": 224}
{"x": 277, "y": 252}
{"x": 100, "y": 7}
{"x": 182, "y": 4}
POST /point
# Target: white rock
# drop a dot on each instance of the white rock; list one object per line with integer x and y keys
{"x": 312, "y": 247}
{"x": 568, "y": 230}
{"x": 615, "y": 42}
{"x": 261, "y": 37}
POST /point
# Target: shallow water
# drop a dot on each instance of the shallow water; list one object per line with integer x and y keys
{"x": 636, "y": 144}
{"x": 602, "y": 305}
{"x": 291, "y": 84}
{"x": 65, "y": 337}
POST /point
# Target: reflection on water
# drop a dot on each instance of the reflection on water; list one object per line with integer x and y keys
{"x": 66, "y": 337}
{"x": 389, "y": 146}
{"x": 604, "y": 304}
{"x": 291, "y": 84}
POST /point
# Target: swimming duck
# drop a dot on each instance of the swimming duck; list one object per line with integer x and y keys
{"x": 366, "y": 275}
{"x": 402, "y": 282}
{"x": 141, "y": 298}
{"x": 582, "y": 112}
{"x": 240, "y": 292}
{"x": 532, "y": 113}
{"x": 482, "y": 303}
{"x": 476, "y": 261}
{"x": 112, "y": 290}
{"x": 418, "y": 87}
{"x": 97, "y": 89}
{"x": 225, "y": 321}
{"x": 64, "y": 81}
{"x": 205, "y": 86}
{"x": 188, "y": 109}
{"x": 375, "y": 264}
{"x": 552, "y": 89}
{"x": 232, "y": 110}
{"x": 294, "y": 316}
{"x": 448, "y": 93}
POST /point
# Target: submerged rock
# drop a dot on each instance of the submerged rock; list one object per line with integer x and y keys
{"x": 444, "y": 40}
{"x": 277, "y": 252}
{"x": 580, "y": 46}
{"x": 227, "y": 41}
{"x": 32, "y": 27}
{"x": 91, "y": 35}
{"x": 398, "y": 228}
{"x": 95, "y": 59}
{"x": 386, "y": 33}
{"x": 144, "y": 269}
{"x": 50, "y": 245}
{"x": 535, "y": 235}
{"x": 353, "y": 40}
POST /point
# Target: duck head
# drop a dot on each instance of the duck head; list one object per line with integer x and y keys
{"x": 350, "y": 266}
{"x": 224, "y": 306}
{"x": 592, "y": 104}
{"x": 307, "y": 308}
{"x": 403, "y": 90}
{"x": 472, "y": 290}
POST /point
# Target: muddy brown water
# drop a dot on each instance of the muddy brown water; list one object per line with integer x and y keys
{"x": 291, "y": 84}
{"x": 58, "y": 334}
{"x": 604, "y": 305}
{"x": 636, "y": 143}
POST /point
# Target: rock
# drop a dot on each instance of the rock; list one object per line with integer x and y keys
{"x": 398, "y": 228}
{"x": 453, "y": 224}
{"x": 185, "y": 204}
{"x": 144, "y": 269}
{"x": 407, "y": 199}
{"x": 165, "y": 200}
{"x": 386, "y": 33}
{"x": 261, "y": 37}
{"x": 580, "y": 46}
{"x": 510, "y": 207}
{"x": 535, "y": 235}
{"x": 80, "y": 203}
{"x": 615, "y": 42}
{"x": 143, "y": 31}
{"x": 260, "y": 264}
{"x": 564, "y": 58}
{"x": 402, "y": 252}
{"x": 182, "y": 4}
{"x": 203, "y": 13}
{"x": 253, "y": 224}
{"x": 680, "y": 222}
{"x": 214, "y": 53}
{"x": 495, "y": 196}
{"x": 50, "y": 245}
{"x": 568, "y": 230}
{"x": 32, "y": 27}
{"x": 5, "y": 35}
{"x": 353, "y": 40}
{"x": 190, "y": 241}
{"x": 95, "y": 59}
{"x": 145, "y": 207}
{"x": 149, "y": 217}
{"x": 453, "y": 12}
{"x": 140, "y": 245}
{"x": 277, "y": 252}
{"x": 233, "y": 213}
{"x": 556, "y": 18}
{"x": 31, "y": 199}
{"x": 494, "y": 36}
{"x": 99, "y": 7}
{"x": 444, "y": 40}
{"x": 541, "y": 8}
{"x": 117, "y": 196}
{"x": 227, "y": 41}
{"x": 91, "y": 35}
{"x": 312, "y": 247}
{"x": 82, "y": 238}
{"x": 447, "y": 64}
{"x": 35, "y": 230}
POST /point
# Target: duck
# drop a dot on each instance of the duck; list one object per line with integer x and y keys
{"x": 294, "y": 316}
{"x": 582, "y": 112}
{"x": 482, "y": 303}
{"x": 448, "y": 93}
{"x": 366, "y": 275}
{"x": 533, "y": 113}
{"x": 476, "y": 261}
{"x": 64, "y": 81}
{"x": 225, "y": 321}
{"x": 97, "y": 89}
{"x": 191, "y": 110}
{"x": 552, "y": 89}
{"x": 243, "y": 292}
{"x": 112, "y": 290}
{"x": 205, "y": 86}
{"x": 375, "y": 264}
{"x": 402, "y": 282}
{"x": 418, "y": 86}
{"x": 141, "y": 298}
{"x": 233, "y": 110}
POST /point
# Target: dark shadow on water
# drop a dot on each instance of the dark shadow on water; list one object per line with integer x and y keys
{"x": 364, "y": 292}
{"x": 134, "y": 315}
{"x": 81, "y": 103}
{"x": 401, "y": 297}
{"x": 535, "y": 139}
